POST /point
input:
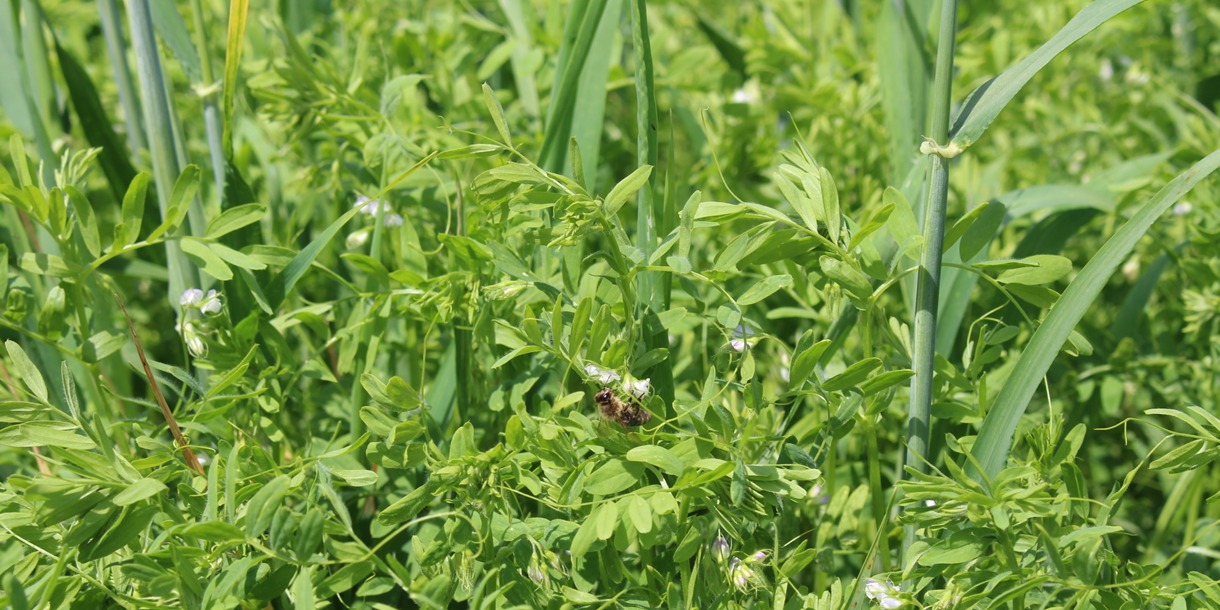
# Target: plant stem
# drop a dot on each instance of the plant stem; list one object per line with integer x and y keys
{"x": 928, "y": 291}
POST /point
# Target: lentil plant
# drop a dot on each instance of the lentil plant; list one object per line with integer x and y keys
{"x": 608, "y": 303}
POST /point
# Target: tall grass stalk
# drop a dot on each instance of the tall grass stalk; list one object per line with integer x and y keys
{"x": 158, "y": 122}
{"x": 928, "y": 290}
{"x": 116, "y": 47}
{"x": 211, "y": 110}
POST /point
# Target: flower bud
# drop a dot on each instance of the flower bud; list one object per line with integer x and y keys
{"x": 720, "y": 549}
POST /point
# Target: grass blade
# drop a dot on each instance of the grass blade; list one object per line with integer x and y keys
{"x": 905, "y": 67}
{"x": 527, "y": 86}
{"x": 583, "y": 25}
{"x": 116, "y": 48}
{"x": 237, "y": 33}
{"x": 159, "y": 122}
{"x": 115, "y": 162}
{"x": 982, "y": 107}
{"x": 1128, "y": 318}
{"x": 168, "y": 23}
{"x": 995, "y": 438}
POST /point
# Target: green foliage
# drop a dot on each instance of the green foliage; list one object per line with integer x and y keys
{"x": 428, "y": 354}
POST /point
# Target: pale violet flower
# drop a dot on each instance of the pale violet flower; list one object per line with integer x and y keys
{"x": 368, "y": 206}
{"x": 639, "y": 387}
{"x": 211, "y": 304}
{"x": 740, "y": 339}
{"x": 357, "y": 239}
{"x": 1182, "y": 209}
{"x": 884, "y": 593}
{"x": 393, "y": 220}
{"x": 758, "y": 557}
{"x": 720, "y": 549}
{"x": 740, "y": 574}
{"x": 604, "y": 376}
{"x": 191, "y": 298}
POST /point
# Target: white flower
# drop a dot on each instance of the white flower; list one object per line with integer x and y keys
{"x": 393, "y": 220}
{"x": 737, "y": 345}
{"x": 602, "y": 375}
{"x": 211, "y": 304}
{"x": 357, "y": 239}
{"x": 929, "y": 503}
{"x": 368, "y": 206}
{"x": 191, "y": 297}
{"x": 639, "y": 387}
{"x": 194, "y": 340}
{"x": 883, "y": 593}
{"x": 1182, "y": 209}
{"x": 1106, "y": 71}
{"x": 748, "y": 94}
{"x": 740, "y": 338}
{"x": 1131, "y": 269}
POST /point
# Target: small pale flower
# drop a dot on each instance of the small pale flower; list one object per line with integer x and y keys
{"x": 929, "y": 503}
{"x": 1182, "y": 209}
{"x": 194, "y": 340}
{"x": 357, "y": 239}
{"x": 740, "y": 338}
{"x": 720, "y": 549}
{"x": 758, "y": 557}
{"x": 884, "y": 593}
{"x": 603, "y": 376}
{"x": 211, "y": 304}
{"x": 1131, "y": 269}
{"x": 393, "y": 220}
{"x": 639, "y": 387}
{"x": 737, "y": 345}
{"x": 536, "y": 573}
{"x": 366, "y": 205}
{"x": 1106, "y": 71}
{"x": 191, "y": 297}
{"x": 740, "y": 574}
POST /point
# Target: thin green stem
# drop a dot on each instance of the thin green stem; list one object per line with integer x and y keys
{"x": 919, "y": 420}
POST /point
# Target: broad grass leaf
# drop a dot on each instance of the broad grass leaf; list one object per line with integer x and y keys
{"x": 233, "y": 43}
{"x": 171, "y": 29}
{"x": 986, "y": 102}
{"x": 995, "y": 438}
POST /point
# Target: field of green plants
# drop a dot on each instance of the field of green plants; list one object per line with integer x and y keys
{"x": 675, "y": 304}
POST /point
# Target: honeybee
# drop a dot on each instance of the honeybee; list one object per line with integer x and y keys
{"x": 629, "y": 414}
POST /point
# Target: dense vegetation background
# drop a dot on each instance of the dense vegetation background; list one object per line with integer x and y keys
{"x": 381, "y": 256}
